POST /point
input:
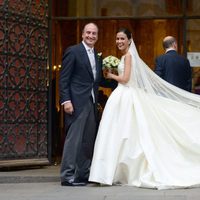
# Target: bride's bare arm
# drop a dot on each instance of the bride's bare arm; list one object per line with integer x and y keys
{"x": 124, "y": 78}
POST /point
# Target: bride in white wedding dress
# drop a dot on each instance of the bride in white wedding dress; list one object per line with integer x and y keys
{"x": 149, "y": 134}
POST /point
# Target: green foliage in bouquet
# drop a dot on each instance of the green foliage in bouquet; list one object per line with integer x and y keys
{"x": 111, "y": 62}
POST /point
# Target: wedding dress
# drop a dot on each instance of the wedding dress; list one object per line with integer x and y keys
{"x": 149, "y": 134}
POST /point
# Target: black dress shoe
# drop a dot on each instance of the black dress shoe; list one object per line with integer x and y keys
{"x": 81, "y": 180}
{"x": 71, "y": 183}
{"x": 67, "y": 183}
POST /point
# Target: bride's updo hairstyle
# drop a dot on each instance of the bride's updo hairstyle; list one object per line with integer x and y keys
{"x": 125, "y": 31}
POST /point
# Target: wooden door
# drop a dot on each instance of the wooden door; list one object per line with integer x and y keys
{"x": 23, "y": 83}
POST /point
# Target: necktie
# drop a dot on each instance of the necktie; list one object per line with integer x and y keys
{"x": 93, "y": 66}
{"x": 92, "y": 61}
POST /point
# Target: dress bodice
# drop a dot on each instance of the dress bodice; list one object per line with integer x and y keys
{"x": 121, "y": 71}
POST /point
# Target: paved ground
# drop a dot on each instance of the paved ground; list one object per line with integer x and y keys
{"x": 31, "y": 175}
{"x": 44, "y": 184}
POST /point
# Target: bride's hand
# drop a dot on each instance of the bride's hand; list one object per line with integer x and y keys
{"x": 105, "y": 72}
{"x": 109, "y": 75}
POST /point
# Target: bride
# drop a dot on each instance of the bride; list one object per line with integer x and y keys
{"x": 149, "y": 132}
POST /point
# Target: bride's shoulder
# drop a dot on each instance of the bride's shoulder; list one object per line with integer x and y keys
{"x": 127, "y": 55}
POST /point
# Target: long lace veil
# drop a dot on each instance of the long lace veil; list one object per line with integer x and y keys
{"x": 148, "y": 81}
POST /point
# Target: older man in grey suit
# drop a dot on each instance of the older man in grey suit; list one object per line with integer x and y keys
{"x": 173, "y": 67}
{"x": 79, "y": 81}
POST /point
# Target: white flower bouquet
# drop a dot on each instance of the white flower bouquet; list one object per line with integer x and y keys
{"x": 110, "y": 63}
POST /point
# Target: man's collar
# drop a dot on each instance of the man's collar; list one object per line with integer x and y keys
{"x": 170, "y": 49}
{"x": 86, "y": 46}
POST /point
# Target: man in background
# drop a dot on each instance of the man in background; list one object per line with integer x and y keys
{"x": 173, "y": 67}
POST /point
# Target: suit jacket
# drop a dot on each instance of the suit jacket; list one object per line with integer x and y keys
{"x": 76, "y": 79}
{"x": 175, "y": 69}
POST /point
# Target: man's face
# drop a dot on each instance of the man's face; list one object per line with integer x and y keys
{"x": 90, "y": 35}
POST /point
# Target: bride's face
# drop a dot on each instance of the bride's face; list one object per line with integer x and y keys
{"x": 122, "y": 42}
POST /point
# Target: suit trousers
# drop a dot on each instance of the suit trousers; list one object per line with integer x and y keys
{"x": 79, "y": 145}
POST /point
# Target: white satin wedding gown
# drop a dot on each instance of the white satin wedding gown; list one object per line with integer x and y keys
{"x": 146, "y": 140}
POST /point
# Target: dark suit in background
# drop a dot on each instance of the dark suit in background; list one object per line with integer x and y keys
{"x": 79, "y": 90}
{"x": 173, "y": 67}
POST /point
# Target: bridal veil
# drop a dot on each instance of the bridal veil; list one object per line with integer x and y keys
{"x": 147, "y": 80}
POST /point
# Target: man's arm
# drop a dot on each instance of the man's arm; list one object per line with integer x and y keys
{"x": 159, "y": 70}
{"x": 65, "y": 75}
{"x": 108, "y": 83}
{"x": 189, "y": 85}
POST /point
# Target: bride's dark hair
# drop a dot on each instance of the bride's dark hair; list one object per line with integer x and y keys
{"x": 125, "y": 31}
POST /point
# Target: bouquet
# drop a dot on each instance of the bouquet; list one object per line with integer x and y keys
{"x": 110, "y": 64}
